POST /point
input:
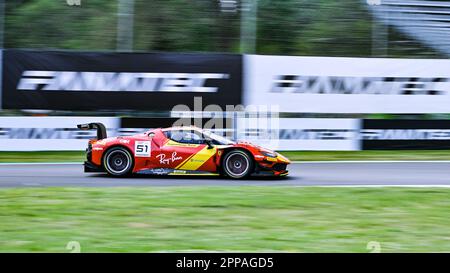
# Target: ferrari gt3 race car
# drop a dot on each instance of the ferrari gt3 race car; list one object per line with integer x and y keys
{"x": 179, "y": 150}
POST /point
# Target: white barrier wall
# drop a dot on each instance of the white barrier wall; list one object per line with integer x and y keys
{"x": 347, "y": 85}
{"x": 301, "y": 133}
{"x": 49, "y": 133}
{"x": 61, "y": 134}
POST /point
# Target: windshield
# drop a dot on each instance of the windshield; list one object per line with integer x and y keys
{"x": 220, "y": 140}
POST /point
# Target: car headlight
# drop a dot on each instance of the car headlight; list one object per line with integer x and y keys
{"x": 269, "y": 154}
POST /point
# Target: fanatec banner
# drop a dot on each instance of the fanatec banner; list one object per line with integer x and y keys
{"x": 348, "y": 85}
{"x": 61, "y": 133}
{"x": 378, "y": 134}
{"x": 58, "y": 80}
{"x": 301, "y": 133}
{"x": 50, "y": 133}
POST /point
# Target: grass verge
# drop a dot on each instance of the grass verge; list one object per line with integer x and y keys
{"x": 63, "y": 156}
{"x": 224, "y": 219}
{"x": 74, "y": 156}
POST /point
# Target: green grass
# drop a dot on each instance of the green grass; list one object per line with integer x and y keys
{"x": 67, "y": 156}
{"x": 225, "y": 219}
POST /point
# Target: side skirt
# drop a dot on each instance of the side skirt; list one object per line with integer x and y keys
{"x": 167, "y": 171}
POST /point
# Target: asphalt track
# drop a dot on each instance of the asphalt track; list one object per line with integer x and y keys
{"x": 301, "y": 174}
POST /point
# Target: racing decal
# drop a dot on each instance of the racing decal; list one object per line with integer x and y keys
{"x": 196, "y": 173}
{"x": 157, "y": 171}
{"x": 198, "y": 159}
{"x": 168, "y": 171}
{"x": 186, "y": 160}
{"x": 142, "y": 149}
{"x": 172, "y": 143}
{"x": 164, "y": 160}
{"x": 101, "y": 142}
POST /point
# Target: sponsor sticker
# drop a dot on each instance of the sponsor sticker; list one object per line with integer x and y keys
{"x": 163, "y": 160}
{"x": 142, "y": 149}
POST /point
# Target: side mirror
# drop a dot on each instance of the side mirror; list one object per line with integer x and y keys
{"x": 209, "y": 143}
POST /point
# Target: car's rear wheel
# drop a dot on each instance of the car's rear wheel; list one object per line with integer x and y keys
{"x": 237, "y": 164}
{"x": 118, "y": 161}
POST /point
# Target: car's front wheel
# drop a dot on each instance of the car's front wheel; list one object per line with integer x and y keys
{"x": 237, "y": 164}
{"x": 118, "y": 161}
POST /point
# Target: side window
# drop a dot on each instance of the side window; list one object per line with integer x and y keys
{"x": 185, "y": 136}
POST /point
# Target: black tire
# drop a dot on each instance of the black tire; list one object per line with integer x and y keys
{"x": 118, "y": 162}
{"x": 237, "y": 164}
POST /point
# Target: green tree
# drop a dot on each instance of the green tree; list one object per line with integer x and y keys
{"x": 287, "y": 27}
{"x": 55, "y": 24}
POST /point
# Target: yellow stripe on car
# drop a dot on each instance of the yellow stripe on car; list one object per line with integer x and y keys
{"x": 282, "y": 159}
{"x": 172, "y": 143}
{"x": 196, "y": 174}
{"x": 198, "y": 159}
{"x": 184, "y": 161}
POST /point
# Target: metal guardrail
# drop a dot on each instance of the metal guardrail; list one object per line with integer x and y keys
{"x": 425, "y": 21}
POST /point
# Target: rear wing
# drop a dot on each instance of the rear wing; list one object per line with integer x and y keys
{"x": 101, "y": 129}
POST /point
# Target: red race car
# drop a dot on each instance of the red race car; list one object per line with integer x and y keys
{"x": 179, "y": 151}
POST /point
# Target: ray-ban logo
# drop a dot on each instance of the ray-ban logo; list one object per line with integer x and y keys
{"x": 73, "y": 2}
